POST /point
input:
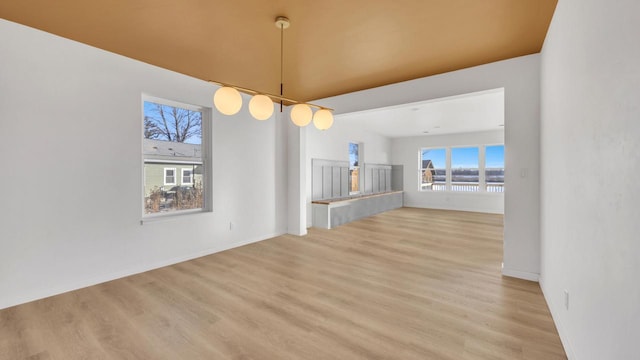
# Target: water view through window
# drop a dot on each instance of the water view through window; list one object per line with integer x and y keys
{"x": 494, "y": 168}
{"x": 463, "y": 173}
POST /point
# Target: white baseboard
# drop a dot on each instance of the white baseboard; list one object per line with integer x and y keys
{"x": 520, "y": 274}
{"x": 56, "y": 290}
{"x": 302, "y": 232}
{"x": 564, "y": 338}
{"x": 421, "y": 205}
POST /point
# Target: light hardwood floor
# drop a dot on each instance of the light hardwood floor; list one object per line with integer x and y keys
{"x": 406, "y": 284}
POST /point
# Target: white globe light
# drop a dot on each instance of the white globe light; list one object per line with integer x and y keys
{"x": 301, "y": 114}
{"x": 227, "y": 100}
{"x": 261, "y": 107}
{"x": 323, "y": 119}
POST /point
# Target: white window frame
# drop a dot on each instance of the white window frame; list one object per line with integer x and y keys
{"x": 207, "y": 160}
{"x": 482, "y": 183}
{"x": 359, "y": 167}
{"x": 182, "y": 182}
{"x": 447, "y": 154}
{"x": 484, "y": 166}
{"x": 450, "y": 168}
{"x": 175, "y": 172}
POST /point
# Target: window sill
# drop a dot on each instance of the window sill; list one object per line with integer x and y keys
{"x": 163, "y": 217}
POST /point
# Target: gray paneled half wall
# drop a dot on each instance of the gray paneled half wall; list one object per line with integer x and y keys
{"x": 330, "y": 179}
{"x": 377, "y": 178}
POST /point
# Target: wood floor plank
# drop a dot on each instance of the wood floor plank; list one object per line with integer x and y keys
{"x": 405, "y": 284}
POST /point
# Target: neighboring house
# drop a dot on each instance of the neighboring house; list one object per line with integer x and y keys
{"x": 428, "y": 172}
{"x": 168, "y": 165}
{"x": 355, "y": 178}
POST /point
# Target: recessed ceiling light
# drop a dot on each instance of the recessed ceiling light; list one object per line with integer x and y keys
{"x": 501, "y": 125}
{"x": 415, "y": 109}
{"x": 437, "y": 127}
{"x": 425, "y": 132}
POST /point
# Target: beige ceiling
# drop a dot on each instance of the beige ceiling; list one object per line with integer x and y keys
{"x": 332, "y": 47}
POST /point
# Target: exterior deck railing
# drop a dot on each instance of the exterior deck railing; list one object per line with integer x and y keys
{"x": 495, "y": 187}
{"x": 464, "y": 187}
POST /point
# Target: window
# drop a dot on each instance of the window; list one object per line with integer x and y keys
{"x": 187, "y": 177}
{"x": 175, "y": 159}
{"x": 465, "y": 175}
{"x": 464, "y": 168}
{"x": 494, "y": 168}
{"x": 433, "y": 169}
{"x": 354, "y": 168}
{"x": 169, "y": 176}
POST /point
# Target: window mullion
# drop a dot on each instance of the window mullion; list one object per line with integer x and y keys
{"x": 448, "y": 172}
{"x": 482, "y": 186}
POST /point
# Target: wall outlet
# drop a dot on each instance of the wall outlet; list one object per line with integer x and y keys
{"x": 523, "y": 172}
{"x": 566, "y": 299}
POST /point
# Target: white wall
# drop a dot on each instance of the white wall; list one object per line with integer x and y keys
{"x": 405, "y": 152}
{"x": 590, "y": 141}
{"x": 297, "y": 155}
{"x": 520, "y": 78}
{"x": 333, "y": 144}
{"x": 70, "y": 125}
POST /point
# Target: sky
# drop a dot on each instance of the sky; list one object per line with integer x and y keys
{"x": 465, "y": 157}
{"x": 148, "y": 106}
{"x": 494, "y": 156}
{"x": 353, "y": 154}
{"x": 437, "y": 156}
{"x": 149, "y": 111}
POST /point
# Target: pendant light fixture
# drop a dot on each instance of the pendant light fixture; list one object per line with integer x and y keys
{"x": 228, "y": 101}
{"x": 261, "y": 107}
{"x": 301, "y": 114}
{"x": 323, "y": 119}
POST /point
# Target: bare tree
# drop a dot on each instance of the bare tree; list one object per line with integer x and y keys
{"x": 172, "y": 123}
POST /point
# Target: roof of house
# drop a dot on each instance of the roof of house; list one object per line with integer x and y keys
{"x": 169, "y": 151}
{"x": 427, "y": 164}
